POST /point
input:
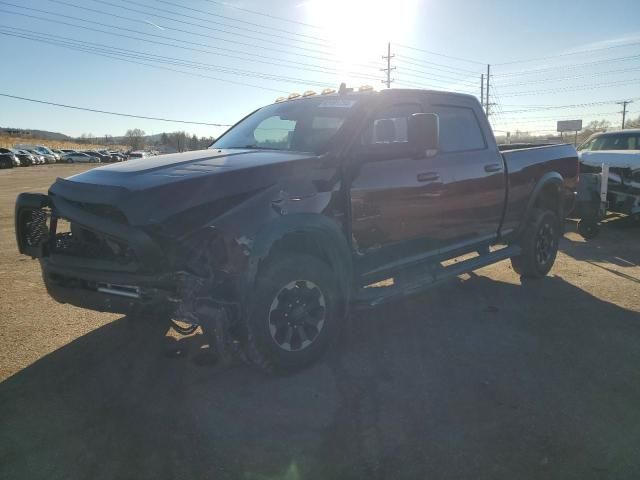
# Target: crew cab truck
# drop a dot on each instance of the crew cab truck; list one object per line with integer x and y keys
{"x": 303, "y": 210}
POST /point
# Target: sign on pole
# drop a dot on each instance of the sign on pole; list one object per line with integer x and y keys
{"x": 569, "y": 125}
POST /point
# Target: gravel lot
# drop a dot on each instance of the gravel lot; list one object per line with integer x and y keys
{"x": 481, "y": 378}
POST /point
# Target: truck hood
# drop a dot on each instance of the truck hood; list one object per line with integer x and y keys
{"x": 613, "y": 158}
{"x": 150, "y": 190}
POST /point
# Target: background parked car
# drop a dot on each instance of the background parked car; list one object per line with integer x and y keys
{"x": 115, "y": 156}
{"x": 8, "y": 159}
{"x": 138, "y": 154}
{"x": 44, "y": 157}
{"x": 59, "y": 153}
{"x": 80, "y": 157}
{"x": 26, "y": 159}
{"x": 40, "y": 149}
{"x": 103, "y": 158}
{"x": 38, "y": 158}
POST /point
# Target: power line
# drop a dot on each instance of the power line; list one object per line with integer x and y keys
{"x": 280, "y": 44}
{"x": 198, "y": 34}
{"x": 327, "y": 58}
{"x": 530, "y": 119}
{"x": 445, "y": 68}
{"x": 531, "y": 108}
{"x": 596, "y": 74}
{"x": 579, "y": 87}
{"x": 106, "y": 55}
{"x": 296, "y": 65}
{"x": 440, "y": 54}
{"x": 426, "y": 74}
{"x": 567, "y": 67}
{"x": 255, "y": 12}
{"x": 217, "y": 15}
{"x": 261, "y": 58}
{"x": 15, "y": 97}
{"x": 165, "y": 59}
{"x": 428, "y": 87}
{"x": 559, "y": 55}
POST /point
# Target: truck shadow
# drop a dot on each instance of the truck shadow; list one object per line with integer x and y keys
{"x": 475, "y": 379}
{"x": 598, "y": 251}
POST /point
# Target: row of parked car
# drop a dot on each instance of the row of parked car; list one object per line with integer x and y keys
{"x": 28, "y": 155}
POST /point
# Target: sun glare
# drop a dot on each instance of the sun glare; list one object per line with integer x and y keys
{"x": 359, "y": 29}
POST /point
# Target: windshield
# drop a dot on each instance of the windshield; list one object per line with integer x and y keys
{"x": 613, "y": 142}
{"x": 306, "y": 125}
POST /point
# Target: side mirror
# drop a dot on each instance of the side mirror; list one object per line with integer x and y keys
{"x": 423, "y": 131}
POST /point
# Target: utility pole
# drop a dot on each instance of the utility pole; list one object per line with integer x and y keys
{"x": 487, "y": 103}
{"x": 482, "y": 90}
{"x": 389, "y": 67}
{"x": 624, "y": 110}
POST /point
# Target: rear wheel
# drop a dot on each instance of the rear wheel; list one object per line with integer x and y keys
{"x": 4, "y": 163}
{"x": 293, "y": 315}
{"x": 539, "y": 245}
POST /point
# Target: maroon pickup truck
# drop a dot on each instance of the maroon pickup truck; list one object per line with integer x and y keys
{"x": 303, "y": 210}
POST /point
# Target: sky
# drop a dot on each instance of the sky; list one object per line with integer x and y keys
{"x": 214, "y": 62}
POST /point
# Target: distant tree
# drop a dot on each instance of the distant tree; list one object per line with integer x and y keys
{"x": 592, "y": 127}
{"x": 164, "y": 139}
{"x": 134, "y": 138}
{"x": 178, "y": 140}
{"x": 193, "y": 143}
{"x": 204, "y": 142}
{"x": 633, "y": 123}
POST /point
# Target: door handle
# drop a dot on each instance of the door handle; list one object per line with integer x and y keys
{"x": 428, "y": 177}
{"x": 493, "y": 167}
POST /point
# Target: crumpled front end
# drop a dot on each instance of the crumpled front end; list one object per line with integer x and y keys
{"x": 92, "y": 258}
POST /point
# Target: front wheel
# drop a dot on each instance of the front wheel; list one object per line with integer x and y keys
{"x": 539, "y": 245}
{"x": 293, "y": 315}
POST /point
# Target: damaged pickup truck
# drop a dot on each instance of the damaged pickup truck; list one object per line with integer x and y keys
{"x": 620, "y": 152}
{"x": 303, "y": 210}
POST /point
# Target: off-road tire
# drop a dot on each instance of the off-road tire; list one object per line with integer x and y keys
{"x": 539, "y": 243}
{"x": 261, "y": 347}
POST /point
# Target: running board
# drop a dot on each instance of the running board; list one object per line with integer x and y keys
{"x": 420, "y": 278}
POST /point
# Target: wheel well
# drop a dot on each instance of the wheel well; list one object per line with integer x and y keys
{"x": 549, "y": 199}
{"x": 318, "y": 244}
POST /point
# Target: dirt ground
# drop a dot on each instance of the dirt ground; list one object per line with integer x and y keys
{"x": 484, "y": 377}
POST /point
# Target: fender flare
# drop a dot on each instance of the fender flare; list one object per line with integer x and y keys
{"x": 549, "y": 178}
{"x": 330, "y": 239}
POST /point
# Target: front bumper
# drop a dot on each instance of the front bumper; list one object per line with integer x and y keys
{"x": 102, "y": 263}
{"x": 90, "y": 274}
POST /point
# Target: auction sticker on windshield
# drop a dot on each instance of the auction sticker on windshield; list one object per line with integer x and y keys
{"x": 337, "y": 103}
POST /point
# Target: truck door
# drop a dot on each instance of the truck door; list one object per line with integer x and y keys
{"x": 473, "y": 197}
{"x": 396, "y": 199}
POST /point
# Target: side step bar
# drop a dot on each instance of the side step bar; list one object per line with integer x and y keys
{"x": 420, "y": 278}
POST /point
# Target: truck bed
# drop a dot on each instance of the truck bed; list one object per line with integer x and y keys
{"x": 526, "y": 164}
